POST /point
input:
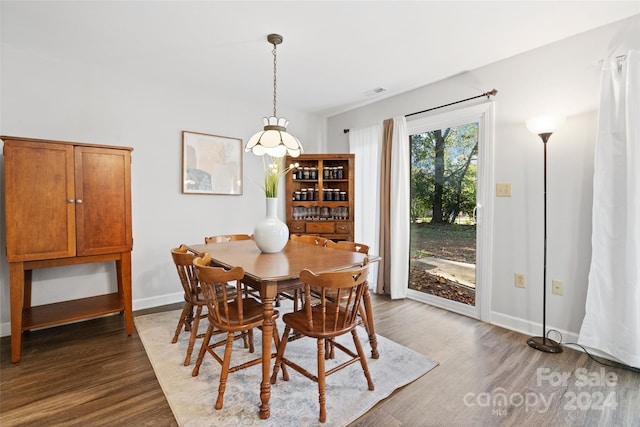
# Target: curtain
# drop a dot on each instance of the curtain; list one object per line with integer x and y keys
{"x": 384, "y": 274}
{"x": 400, "y": 199}
{"x": 366, "y": 144}
{"x": 612, "y": 316}
{"x": 393, "y": 276}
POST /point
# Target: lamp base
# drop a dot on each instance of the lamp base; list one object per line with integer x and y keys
{"x": 544, "y": 344}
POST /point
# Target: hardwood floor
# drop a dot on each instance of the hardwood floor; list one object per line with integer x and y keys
{"x": 91, "y": 373}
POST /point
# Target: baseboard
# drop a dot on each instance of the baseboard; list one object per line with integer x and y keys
{"x": 531, "y": 328}
{"x": 139, "y": 304}
{"x": 453, "y": 306}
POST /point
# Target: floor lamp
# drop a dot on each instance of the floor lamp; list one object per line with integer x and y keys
{"x": 544, "y": 126}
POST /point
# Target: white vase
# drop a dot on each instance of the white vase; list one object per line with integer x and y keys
{"x": 271, "y": 234}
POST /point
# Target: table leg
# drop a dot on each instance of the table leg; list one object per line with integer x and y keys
{"x": 370, "y": 326}
{"x": 267, "y": 293}
{"x": 16, "y": 289}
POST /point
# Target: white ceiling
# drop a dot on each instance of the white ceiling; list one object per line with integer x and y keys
{"x": 334, "y": 52}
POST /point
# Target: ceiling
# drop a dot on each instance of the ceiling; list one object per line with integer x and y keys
{"x": 333, "y": 55}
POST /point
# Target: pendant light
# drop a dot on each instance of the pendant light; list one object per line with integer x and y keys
{"x": 274, "y": 140}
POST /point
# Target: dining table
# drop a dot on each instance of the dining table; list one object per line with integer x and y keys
{"x": 272, "y": 273}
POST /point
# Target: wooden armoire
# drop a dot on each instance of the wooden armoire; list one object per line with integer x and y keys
{"x": 66, "y": 203}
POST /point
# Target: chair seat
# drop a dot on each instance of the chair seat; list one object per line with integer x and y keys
{"x": 298, "y": 321}
{"x": 252, "y": 315}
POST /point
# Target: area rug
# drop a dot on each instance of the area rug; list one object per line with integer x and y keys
{"x": 293, "y": 402}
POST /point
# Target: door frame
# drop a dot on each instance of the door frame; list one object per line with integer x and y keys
{"x": 484, "y": 115}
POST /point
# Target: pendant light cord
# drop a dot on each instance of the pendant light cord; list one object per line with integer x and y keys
{"x": 274, "y": 80}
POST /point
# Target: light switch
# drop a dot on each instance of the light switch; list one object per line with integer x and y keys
{"x": 503, "y": 189}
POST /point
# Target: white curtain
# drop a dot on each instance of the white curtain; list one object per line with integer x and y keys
{"x": 366, "y": 144}
{"x": 612, "y": 320}
{"x": 400, "y": 194}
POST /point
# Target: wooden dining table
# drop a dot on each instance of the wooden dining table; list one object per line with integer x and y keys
{"x": 278, "y": 272}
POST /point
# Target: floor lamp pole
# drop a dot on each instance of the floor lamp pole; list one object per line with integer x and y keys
{"x": 543, "y": 343}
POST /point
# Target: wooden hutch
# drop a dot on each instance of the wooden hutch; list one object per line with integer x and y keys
{"x": 320, "y": 196}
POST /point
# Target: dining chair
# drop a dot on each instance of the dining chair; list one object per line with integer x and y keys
{"x": 365, "y": 310}
{"x": 232, "y": 313}
{"x": 309, "y": 238}
{"x": 348, "y": 246}
{"x": 221, "y": 238}
{"x": 335, "y": 315}
{"x": 224, "y": 238}
{"x": 193, "y": 299}
{"x": 294, "y": 291}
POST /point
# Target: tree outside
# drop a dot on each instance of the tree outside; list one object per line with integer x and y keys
{"x": 443, "y": 199}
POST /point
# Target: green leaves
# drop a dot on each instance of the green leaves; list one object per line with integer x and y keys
{"x": 273, "y": 170}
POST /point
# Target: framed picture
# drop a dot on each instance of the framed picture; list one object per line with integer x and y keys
{"x": 211, "y": 164}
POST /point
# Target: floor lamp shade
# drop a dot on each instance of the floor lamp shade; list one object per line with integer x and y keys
{"x": 544, "y": 126}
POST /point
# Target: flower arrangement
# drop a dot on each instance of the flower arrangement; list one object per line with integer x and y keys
{"x": 273, "y": 170}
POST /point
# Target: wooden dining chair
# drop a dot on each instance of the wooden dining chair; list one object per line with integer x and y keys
{"x": 309, "y": 238}
{"x": 193, "y": 299}
{"x": 348, "y": 246}
{"x": 224, "y": 238}
{"x": 335, "y": 315}
{"x": 221, "y": 238}
{"x": 365, "y": 311}
{"x": 232, "y": 313}
{"x": 294, "y": 290}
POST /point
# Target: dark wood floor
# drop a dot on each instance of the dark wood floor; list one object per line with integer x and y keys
{"x": 91, "y": 373}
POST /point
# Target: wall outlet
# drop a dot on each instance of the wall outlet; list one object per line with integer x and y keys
{"x": 519, "y": 280}
{"x": 556, "y": 287}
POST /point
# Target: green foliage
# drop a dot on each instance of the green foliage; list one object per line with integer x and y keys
{"x": 444, "y": 173}
{"x": 273, "y": 170}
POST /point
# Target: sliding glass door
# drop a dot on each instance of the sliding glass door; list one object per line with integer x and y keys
{"x": 451, "y": 176}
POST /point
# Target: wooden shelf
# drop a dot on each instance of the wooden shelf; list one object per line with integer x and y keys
{"x": 69, "y": 311}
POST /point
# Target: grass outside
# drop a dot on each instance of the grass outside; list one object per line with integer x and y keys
{"x": 454, "y": 242}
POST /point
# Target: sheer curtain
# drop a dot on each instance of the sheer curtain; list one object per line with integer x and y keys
{"x": 366, "y": 143}
{"x": 383, "y": 169}
{"x": 612, "y": 320}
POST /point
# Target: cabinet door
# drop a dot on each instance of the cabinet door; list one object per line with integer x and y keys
{"x": 103, "y": 195}
{"x": 40, "y": 202}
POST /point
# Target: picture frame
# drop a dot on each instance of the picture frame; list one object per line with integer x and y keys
{"x": 211, "y": 164}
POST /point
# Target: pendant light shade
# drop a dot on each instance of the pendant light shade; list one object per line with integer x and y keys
{"x": 274, "y": 140}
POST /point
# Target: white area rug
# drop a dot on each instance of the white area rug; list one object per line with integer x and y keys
{"x": 293, "y": 402}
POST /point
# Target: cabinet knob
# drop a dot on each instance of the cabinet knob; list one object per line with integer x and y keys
{"x": 79, "y": 201}
{"x": 70, "y": 200}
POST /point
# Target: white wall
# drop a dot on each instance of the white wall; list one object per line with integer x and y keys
{"x": 560, "y": 78}
{"x": 45, "y": 98}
